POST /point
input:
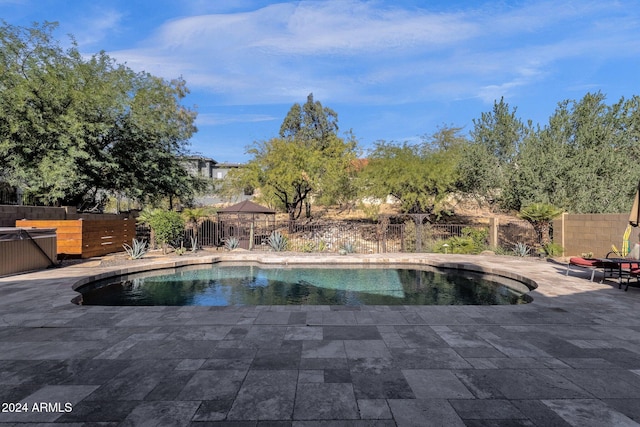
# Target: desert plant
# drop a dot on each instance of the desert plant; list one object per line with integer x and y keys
{"x": 307, "y": 246}
{"x": 540, "y": 216}
{"x": 137, "y": 249}
{"x": 521, "y": 249}
{"x": 555, "y": 249}
{"x": 278, "y": 241}
{"x": 168, "y": 227}
{"x": 231, "y": 243}
{"x": 322, "y": 246}
{"x": 472, "y": 241}
{"x": 348, "y": 247}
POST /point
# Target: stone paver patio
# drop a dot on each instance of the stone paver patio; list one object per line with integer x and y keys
{"x": 570, "y": 358}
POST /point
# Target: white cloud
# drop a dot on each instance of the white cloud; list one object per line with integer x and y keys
{"x": 96, "y": 25}
{"x": 212, "y": 119}
{"x": 369, "y": 52}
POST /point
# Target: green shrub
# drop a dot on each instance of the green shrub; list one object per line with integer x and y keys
{"x": 472, "y": 241}
{"x": 168, "y": 227}
{"x": 553, "y": 249}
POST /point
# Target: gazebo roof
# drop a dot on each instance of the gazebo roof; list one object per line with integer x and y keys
{"x": 246, "y": 207}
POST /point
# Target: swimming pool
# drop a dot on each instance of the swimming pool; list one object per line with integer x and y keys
{"x": 228, "y": 284}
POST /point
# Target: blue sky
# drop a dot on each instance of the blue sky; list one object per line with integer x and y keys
{"x": 392, "y": 70}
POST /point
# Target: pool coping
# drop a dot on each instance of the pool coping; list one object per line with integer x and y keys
{"x": 296, "y": 259}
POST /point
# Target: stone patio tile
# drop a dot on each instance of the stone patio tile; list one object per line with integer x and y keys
{"x": 374, "y": 409}
{"x": 170, "y": 349}
{"x": 170, "y": 386}
{"x": 519, "y": 384}
{"x": 463, "y": 339}
{"x": 206, "y": 333}
{"x": 311, "y": 376}
{"x": 324, "y": 363}
{"x": 419, "y": 336}
{"x": 190, "y": 364}
{"x": 428, "y": 358}
{"x": 134, "y": 382}
{"x": 337, "y": 376}
{"x": 265, "y": 336}
{"x": 366, "y": 348}
{"x": 316, "y": 401}
{"x": 227, "y": 364}
{"x": 486, "y": 409}
{"x": 212, "y": 385}
{"x": 323, "y": 349}
{"x": 174, "y": 413}
{"x": 588, "y": 413}
{"x": 266, "y": 395}
{"x": 388, "y": 384}
{"x": 287, "y": 356}
{"x": 628, "y": 407}
{"x": 99, "y": 411}
{"x": 15, "y": 393}
{"x": 604, "y": 382}
{"x": 351, "y": 333}
{"x": 539, "y": 413}
{"x": 303, "y": 333}
{"x": 213, "y": 410}
{"x": 424, "y": 412}
{"x": 298, "y": 318}
{"x": 91, "y": 371}
{"x": 436, "y": 384}
{"x": 43, "y": 350}
{"x": 272, "y": 318}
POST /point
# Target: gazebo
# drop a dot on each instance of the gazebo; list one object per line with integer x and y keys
{"x": 249, "y": 222}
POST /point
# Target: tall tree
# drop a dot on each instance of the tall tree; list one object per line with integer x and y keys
{"x": 420, "y": 176}
{"x": 288, "y": 173}
{"x": 585, "y": 160}
{"x": 72, "y": 127}
{"x": 486, "y": 163}
{"x": 310, "y": 124}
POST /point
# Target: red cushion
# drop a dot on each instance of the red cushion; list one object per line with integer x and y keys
{"x": 583, "y": 262}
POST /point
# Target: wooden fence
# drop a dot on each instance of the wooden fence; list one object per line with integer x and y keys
{"x": 86, "y": 239}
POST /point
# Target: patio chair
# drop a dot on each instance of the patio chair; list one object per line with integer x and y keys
{"x": 592, "y": 264}
{"x": 634, "y": 272}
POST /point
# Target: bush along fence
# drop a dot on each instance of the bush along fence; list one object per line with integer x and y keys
{"x": 357, "y": 236}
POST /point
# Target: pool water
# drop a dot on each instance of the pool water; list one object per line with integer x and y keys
{"x": 239, "y": 285}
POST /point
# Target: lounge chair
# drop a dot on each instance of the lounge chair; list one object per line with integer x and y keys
{"x": 589, "y": 263}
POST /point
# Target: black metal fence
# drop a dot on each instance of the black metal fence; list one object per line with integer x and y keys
{"x": 515, "y": 232}
{"x": 331, "y": 236}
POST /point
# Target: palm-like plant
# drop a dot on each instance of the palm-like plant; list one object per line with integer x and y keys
{"x": 540, "y": 216}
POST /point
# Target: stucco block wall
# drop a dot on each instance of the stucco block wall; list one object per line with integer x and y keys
{"x": 580, "y": 233}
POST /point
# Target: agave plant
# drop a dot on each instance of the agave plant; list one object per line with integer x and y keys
{"x": 521, "y": 249}
{"x": 278, "y": 241}
{"x": 137, "y": 249}
{"x": 231, "y": 243}
{"x": 348, "y": 247}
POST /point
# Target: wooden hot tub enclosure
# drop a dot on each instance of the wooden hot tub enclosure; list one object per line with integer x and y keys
{"x": 87, "y": 238}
